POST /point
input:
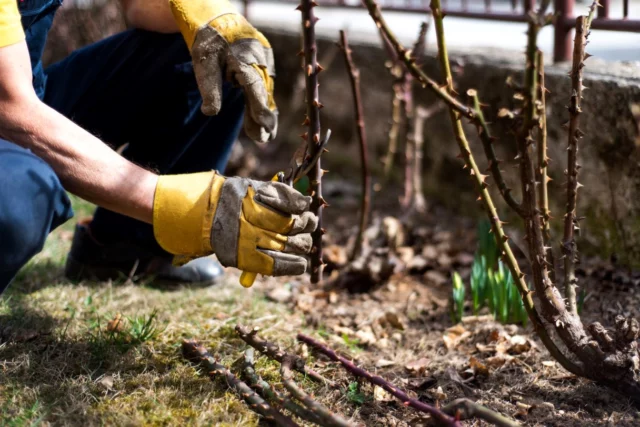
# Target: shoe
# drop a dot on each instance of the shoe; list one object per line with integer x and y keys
{"x": 88, "y": 259}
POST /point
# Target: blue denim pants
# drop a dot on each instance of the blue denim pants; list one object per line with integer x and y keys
{"x": 136, "y": 87}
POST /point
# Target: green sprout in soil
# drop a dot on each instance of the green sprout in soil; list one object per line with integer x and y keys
{"x": 355, "y": 396}
{"x": 491, "y": 284}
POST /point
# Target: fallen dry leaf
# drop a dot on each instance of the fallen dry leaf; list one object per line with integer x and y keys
{"x": 383, "y": 363}
{"x": 116, "y": 324}
{"x": 366, "y": 336}
{"x": 549, "y": 363}
{"x": 280, "y": 294}
{"x": 497, "y": 360}
{"x": 454, "y": 336}
{"x": 478, "y": 367}
{"x": 519, "y": 344}
{"x": 394, "y": 320}
{"x": 106, "y": 382}
{"x": 381, "y": 395}
{"x": 405, "y": 253}
{"x": 417, "y": 366}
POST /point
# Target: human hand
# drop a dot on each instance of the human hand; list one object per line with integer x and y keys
{"x": 259, "y": 227}
{"x": 225, "y": 46}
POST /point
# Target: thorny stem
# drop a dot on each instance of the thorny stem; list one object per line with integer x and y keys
{"x": 412, "y": 67}
{"x": 312, "y": 69}
{"x": 274, "y": 352}
{"x": 494, "y": 164}
{"x": 325, "y": 416}
{"x": 465, "y": 409}
{"x": 196, "y": 353}
{"x": 496, "y": 224}
{"x": 569, "y": 249}
{"x": 269, "y": 393}
{"x": 365, "y": 201}
{"x": 474, "y": 114}
{"x": 542, "y": 177}
{"x": 437, "y": 415}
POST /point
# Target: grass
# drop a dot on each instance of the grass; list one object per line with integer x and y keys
{"x": 70, "y": 366}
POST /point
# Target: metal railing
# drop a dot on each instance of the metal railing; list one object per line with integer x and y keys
{"x": 515, "y": 11}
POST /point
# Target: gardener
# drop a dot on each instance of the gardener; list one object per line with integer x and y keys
{"x": 163, "y": 208}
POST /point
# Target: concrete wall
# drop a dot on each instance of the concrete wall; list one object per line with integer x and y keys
{"x": 609, "y": 152}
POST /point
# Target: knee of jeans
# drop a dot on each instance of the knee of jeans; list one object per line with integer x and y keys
{"x": 32, "y": 204}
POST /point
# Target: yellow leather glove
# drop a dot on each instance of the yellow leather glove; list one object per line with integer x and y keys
{"x": 259, "y": 227}
{"x": 223, "y": 44}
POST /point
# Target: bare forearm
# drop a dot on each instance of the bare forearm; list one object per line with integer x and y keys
{"x": 150, "y": 15}
{"x": 85, "y": 165}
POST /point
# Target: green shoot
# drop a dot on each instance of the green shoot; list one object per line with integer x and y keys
{"x": 491, "y": 284}
{"x": 355, "y": 396}
{"x": 457, "y": 305}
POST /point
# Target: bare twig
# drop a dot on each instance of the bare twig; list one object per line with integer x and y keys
{"x": 196, "y": 353}
{"x": 312, "y": 69}
{"x": 464, "y": 409}
{"x": 365, "y": 201}
{"x": 437, "y": 415}
{"x": 269, "y": 393}
{"x": 326, "y": 417}
{"x": 276, "y": 353}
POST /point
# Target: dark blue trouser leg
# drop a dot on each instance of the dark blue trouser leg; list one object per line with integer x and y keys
{"x": 32, "y": 204}
{"x": 138, "y": 87}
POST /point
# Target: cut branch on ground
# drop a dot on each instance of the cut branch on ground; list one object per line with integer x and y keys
{"x": 440, "y": 417}
{"x": 198, "y": 354}
{"x": 268, "y": 392}
{"x": 273, "y": 351}
{"x": 465, "y": 409}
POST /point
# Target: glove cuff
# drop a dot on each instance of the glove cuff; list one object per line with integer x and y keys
{"x": 192, "y": 15}
{"x": 183, "y": 210}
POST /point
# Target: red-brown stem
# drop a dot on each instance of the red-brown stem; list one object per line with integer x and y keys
{"x": 569, "y": 249}
{"x": 311, "y": 71}
{"x": 365, "y": 201}
{"x": 439, "y": 416}
{"x": 197, "y": 354}
{"x": 274, "y": 352}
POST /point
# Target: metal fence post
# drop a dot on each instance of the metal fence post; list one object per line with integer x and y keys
{"x": 563, "y": 28}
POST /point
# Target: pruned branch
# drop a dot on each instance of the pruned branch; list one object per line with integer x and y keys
{"x": 464, "y": 409}
{"x": 325, "y": 417}
{"x": 269, "y": 393}
{"x": 365, "y": 201}
{"x": 197, "y": 354}
{"x": 274, "y": 352}
{"x": 435, "y": 413}
{"x": 312, "y": 69}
